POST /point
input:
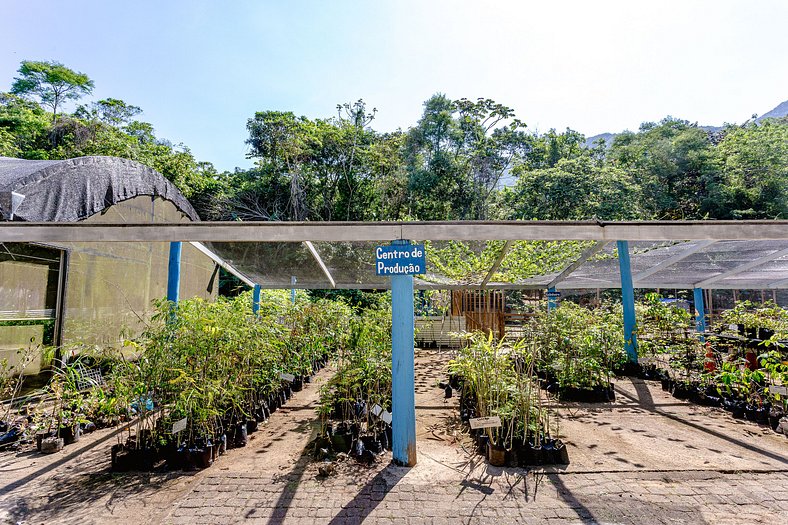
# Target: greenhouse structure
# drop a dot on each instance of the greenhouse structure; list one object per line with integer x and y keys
{"x": 697, "y": 256}
{"x": 62, "y": 293}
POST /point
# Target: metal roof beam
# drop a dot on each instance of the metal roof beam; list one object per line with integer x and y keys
{"x": 606, "y": 285}
{"x": 743, "y": 268}
{"x": 320, "y": 263}
{"x": 670, "y": 261}
{"x": 782, "y": 283}
{"x": 591, "y": 250}
{"x": 388, "y": 231}
{"x": 497, "y": 264}
{"x": 221, "y": 262}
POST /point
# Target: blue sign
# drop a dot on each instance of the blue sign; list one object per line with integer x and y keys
{"x": 402, "y": 259}
{"x": 553, "y": 295}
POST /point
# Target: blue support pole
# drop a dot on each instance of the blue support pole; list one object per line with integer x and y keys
{"x": 292, "y": 290}
{"x": 628, "y": 301}
{"x": 403, "y": 398}
{"x": 256, "y": 299}
{"x": 174, "y": 273}
{"x": 700, "y": 312}
{"x": 551, "y": 302}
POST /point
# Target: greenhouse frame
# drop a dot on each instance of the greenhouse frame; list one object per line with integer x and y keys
{"x": 84, "y": 207}
{"x": 714, "y": 255}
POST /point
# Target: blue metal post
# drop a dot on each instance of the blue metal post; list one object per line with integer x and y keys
{"x": 174, "y": 273}
{"x": 256, "y": 299}
{"x": 403, "y": 398}
{"x": 700, "y": 312}
{"x": 551, "y": 302}
{"x": 628, "y": 301}
{"x": 292, "y": 290}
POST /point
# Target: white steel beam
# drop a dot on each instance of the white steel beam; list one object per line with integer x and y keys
{"x": 743, "y": 268}
{"x": 320, "y": 263}
{"x": 388, "y": 231}
{"x": 221, "y": 262}
{"x": 670, "y": 261}
{"x": 604, "y": 285}
{"x": 580, "y": 260}
{"x": 497, "y": 264}
{"x": 782, "y": 283}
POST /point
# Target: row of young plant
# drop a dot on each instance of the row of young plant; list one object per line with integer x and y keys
{"x": 736, "y": 366}
{"x": 577, "y": 350}
{"x": 61, "y": 409}
{"x": 198, "y": 381}
{"x": 356, "y": 402}
{"x": 214, "y": 371}
{"x": 498, "y": 379}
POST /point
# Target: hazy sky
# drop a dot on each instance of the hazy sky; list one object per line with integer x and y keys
{"x": 200, "y": 69}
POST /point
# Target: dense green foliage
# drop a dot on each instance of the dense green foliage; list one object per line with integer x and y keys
{"x": 579, "y": 347}
{"x": 470, "y": 262}
{"x": 363, "y": 377}
{"x": 463, "y": 159}
{"x": 498, "y": 379}
{"x": 215, "y": 364}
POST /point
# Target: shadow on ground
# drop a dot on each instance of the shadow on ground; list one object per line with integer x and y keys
{"x": 66, "y": 497}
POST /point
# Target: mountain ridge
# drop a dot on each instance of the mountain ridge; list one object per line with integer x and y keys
{"x": 781, "y": 110}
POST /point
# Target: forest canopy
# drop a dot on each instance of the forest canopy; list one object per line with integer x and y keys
{"x": 463, "y": 159}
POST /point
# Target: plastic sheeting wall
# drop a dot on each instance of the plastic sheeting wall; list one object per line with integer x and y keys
{"x": 111, "y": 286}
{"x": 28, "y": 298}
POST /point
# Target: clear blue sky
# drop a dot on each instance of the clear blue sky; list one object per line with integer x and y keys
{"x": 200, "y": 69}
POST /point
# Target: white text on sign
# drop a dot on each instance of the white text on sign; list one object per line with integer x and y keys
{"x": 400, "y": 259}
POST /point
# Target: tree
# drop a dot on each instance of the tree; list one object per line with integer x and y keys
{"x": 25, "y": 125}
{"x": 489, "y": 146}
{"x": 52, "y": 82}
{"x": 281, "y": 143}
{"x": 674, "y": 164}
{"x": 327, "y": 168}
{"x": 754, "y": 165}
{"x": 456, "y": 155}
{"x": 112, "y": 111}
{"x": 548, "y": 149}
{"x": 435, "y": 182}
{"x": 575, "y": 189}
{"x": 7, "y": 146}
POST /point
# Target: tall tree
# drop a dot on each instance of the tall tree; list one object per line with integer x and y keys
{"x": 112, "y": 111}
{"x": 674, "y": 164}
{"x": 456, "y": 155}
{"x": 52, "y": 82}
{"x": 281, "y": 143}
{"x": 754, "y": 166}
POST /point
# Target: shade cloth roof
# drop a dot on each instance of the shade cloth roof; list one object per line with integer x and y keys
{"x": 74, "y": 189}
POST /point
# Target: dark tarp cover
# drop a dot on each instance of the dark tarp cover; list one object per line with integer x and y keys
{"x": 74, "y": 189}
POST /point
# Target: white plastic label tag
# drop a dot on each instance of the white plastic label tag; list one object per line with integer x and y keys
{"x": 179, "y": 426}
{"x": 485, "y": 422}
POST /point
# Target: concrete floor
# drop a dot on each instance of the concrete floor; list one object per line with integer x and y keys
{"x": 647, "y": 458}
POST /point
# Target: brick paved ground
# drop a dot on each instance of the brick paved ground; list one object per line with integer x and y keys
{"x": 643, "y": 497}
